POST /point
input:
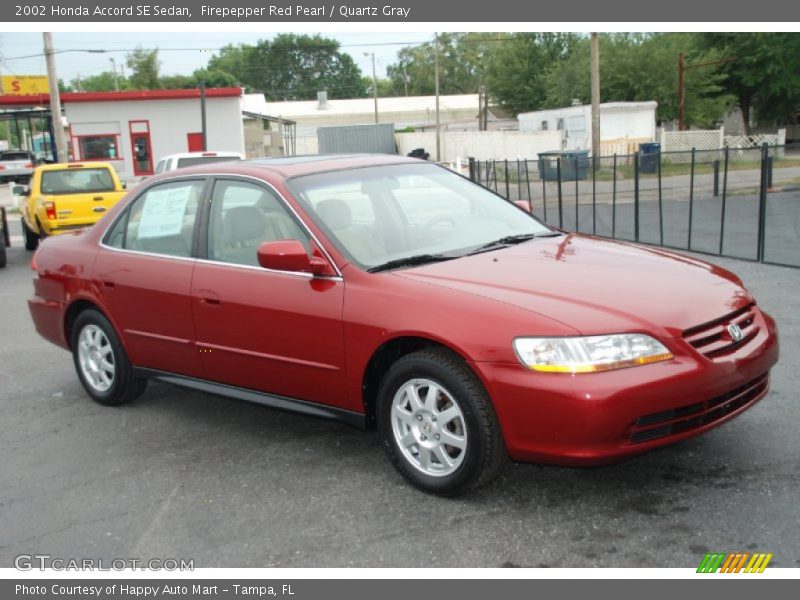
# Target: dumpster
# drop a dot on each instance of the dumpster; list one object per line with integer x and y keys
{"x": 574, "y": 165}
{"x": 649, "y": 155}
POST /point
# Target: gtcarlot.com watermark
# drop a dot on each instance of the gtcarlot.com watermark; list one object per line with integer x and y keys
{"x": 47, "y": 562}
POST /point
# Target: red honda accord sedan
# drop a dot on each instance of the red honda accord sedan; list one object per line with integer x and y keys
{"x": 391, "y": 291}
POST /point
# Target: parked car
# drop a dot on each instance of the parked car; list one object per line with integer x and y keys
{"x": 66, "y": 196}
{"x": 387, "y": 291}
{"x": 17, "y": 165}
{"x": 193, "y": 159}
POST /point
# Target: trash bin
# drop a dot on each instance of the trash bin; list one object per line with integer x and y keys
{"x": 649, "y": 155}
{"x": 574, "y": 165}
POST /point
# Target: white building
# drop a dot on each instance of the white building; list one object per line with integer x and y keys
{"x": 622, "y": 124}
{"x": 403, "y": 112}
{"x": 133, "y": 129}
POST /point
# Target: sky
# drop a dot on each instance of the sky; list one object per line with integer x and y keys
{"x": 179, "y": 53}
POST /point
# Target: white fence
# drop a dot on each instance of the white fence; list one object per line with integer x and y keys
{"x": 482, "y": 145}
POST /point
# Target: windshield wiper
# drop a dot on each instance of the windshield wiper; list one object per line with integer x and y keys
{"x": 510, "y": 240}
{"x": 410, "y": 261}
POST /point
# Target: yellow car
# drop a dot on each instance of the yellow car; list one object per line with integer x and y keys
{"x": 66, "y": 196}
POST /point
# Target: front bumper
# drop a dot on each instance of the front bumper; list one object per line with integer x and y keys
{"x": 601, "y": 418}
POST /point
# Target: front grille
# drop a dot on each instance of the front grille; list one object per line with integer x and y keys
{"x": 713, "y": 340}
{"x": 677, "y": 420}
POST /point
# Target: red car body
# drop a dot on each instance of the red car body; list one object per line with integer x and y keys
{"x": 314, "y": 342}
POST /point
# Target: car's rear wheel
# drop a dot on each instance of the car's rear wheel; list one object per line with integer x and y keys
{"x": 437, "y": 423}
{"x": 31, "y": 239}
{"x": 100, "y": 360}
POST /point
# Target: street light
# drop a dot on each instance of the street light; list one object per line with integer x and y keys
{"x": 374, "y": 84}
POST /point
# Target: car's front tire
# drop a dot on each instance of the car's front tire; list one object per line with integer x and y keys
{"x": 437, "y": 423}
{"x": 100, "y": 360}
{"x": 31, "y": 239}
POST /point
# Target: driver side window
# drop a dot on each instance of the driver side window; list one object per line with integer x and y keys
{"x": 245, "y": 215}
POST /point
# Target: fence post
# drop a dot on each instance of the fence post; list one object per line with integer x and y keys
{"x": 614, "y": 200}
{"x": 560, "y": 199}
{"x": 769, "y": 169}
{"x": 660, "y": 204}
{"x": 691, "y": 200}
{"x": 543, "y": 175}
{"x": 494, "y": 172}
{"x": 724, "y": 194}
{"x": 762, "y": 203}
{"x": 716, "y": 175}
{"x": 594, "y": 194}
{"x": 636, "y": 197}
{"x": 471, "y": 168}
{"x": 577, "y": 215}
{"x": 528, "y": 183}
{"x": 508, "y": 190}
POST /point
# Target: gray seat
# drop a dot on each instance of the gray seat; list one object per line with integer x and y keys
{"x": 357, "y": 240}
{"x": 243, "y": 230}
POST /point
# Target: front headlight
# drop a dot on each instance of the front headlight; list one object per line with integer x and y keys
{"x": 589, "y": 354}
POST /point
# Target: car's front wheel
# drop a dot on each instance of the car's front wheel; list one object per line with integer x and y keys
{"x": 100, "y": 360}
{"x": 438, "y": 424}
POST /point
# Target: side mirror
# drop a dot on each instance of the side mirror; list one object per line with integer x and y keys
{"x": 124, "y": 185}
{"x": 289, "y": 255}
{"x": 20, "y": 190}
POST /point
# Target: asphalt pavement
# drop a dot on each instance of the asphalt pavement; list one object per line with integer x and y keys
{"x": 181, "y": 474}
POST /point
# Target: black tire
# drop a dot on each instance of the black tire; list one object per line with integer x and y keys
{"x": 31, "y": 240}
{"x": 42, "y": 232}
{"x": 3, "y": 256}
{"x": 124, "y": 385}
{"x": 485, "y": 452}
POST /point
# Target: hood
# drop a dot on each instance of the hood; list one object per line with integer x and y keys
{"x": 595, "y": 286}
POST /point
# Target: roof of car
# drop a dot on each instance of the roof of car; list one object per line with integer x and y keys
{"x": 293, "y": 166}
{"x": 204, "y": 153}
{"x": 90, "y": 164}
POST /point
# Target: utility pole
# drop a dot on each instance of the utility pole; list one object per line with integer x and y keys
{"x": 595, "y": 59}
{"x": 375, "y": 88}
{"x": 114, "y": 68}
{"x": 405, "y": 78}
{"x": 203, "y": 129}
{"x": 682, "y": 68}
{"x": 55, "y": 99}
{"x": 681, "y": 91}
{"x": 436, "y": 77}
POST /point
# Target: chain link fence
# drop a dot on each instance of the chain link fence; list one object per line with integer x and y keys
{"x": 735, "y": 202}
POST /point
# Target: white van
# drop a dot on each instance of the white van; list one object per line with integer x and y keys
{"x": 191, "y": 159}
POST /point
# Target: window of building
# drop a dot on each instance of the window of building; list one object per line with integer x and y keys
{"x": 99, "y": 147}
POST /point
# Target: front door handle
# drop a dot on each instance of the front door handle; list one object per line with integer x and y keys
{"x": 208, "y": 298}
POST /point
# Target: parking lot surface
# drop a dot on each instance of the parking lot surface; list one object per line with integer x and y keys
{"x": 187, "y": 475}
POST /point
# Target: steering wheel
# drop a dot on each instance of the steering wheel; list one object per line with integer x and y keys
{"x": 436, "y": 220}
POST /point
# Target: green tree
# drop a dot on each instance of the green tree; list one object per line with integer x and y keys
{"x": 292, "y": 67}
{"x": 101, "y": 82}
{"x": 640, "y": 67}
{"x": 462, "y": 65}
{"x": 517, "y": 67}
{"x": 144, "y": 66}
{"x": 765, "y": 77}
{"x": 385, "y": 87}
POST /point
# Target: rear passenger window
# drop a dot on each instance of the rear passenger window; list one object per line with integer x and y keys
{"x": 162, "y": 220}
{"x": 243, "y": 216}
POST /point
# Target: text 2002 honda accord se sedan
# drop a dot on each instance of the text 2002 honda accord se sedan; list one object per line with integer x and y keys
{"x": 390, "y": 290}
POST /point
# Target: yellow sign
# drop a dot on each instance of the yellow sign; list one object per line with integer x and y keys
{"x": 21, "y": 85}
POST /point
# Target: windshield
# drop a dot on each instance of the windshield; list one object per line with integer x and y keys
{"x": 77, "y": 181}
{"x": 387, "y": 215}
{"x": 15, "y": 156}
{"x": 191, "y": 161}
